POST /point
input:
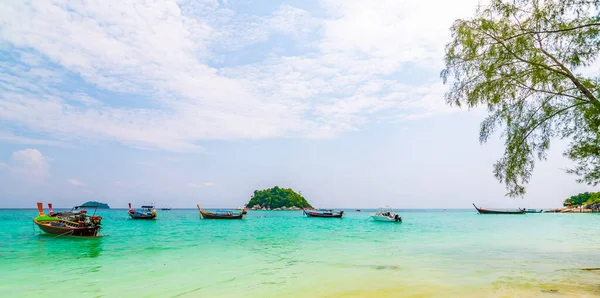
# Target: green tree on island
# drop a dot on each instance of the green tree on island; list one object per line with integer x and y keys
{"x": 277, "y": 197}
{"x": 585, "y": 198}
{"x": 95, "y": 204}
{"x": 522, "y": 61}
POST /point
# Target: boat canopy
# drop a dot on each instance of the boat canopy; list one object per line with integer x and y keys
{"x": 147, "y": 207}
{"x": 385, "y": 209}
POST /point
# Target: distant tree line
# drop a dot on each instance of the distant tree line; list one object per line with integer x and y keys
{"x": 585, "y": 198}
{"x": 277, "y": 197}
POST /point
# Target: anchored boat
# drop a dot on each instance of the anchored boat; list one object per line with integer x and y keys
{"x": 146, "y": 212}
{"x": 71, "y": 223}
{"x": 326, "y": 213}
{"x": 534, "y": 211}
{"x": 221, "y": 214}
{"x": 490, "y": 211}
{"x": 386, "y": 214}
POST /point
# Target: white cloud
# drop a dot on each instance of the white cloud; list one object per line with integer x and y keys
{"x": 196, "y": 185}
{"x": 30, "y": 163}
{"x": 12, "y": 138}
{"x": 351, "y": 70}
{"x": 75, "y": 182}
{"x": 390, "y": 32}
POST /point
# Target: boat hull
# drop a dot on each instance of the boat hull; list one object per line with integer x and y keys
{"x": 483, "y": 211}
{"x": 210, "y": 215}
{"x": 133, "y": 216}
{"x": 488, "y": 211}
{"x": 321, "y": 215}
{"x": 385, "y": 218}
{"x": 68, "y": 231}
{"x": 139, "y": 215}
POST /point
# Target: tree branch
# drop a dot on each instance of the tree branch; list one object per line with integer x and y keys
{"x": 548, "y": 118}
{"x": 572, "y": 77}
{"x": 534, "y": 32}
{"x": 521, "y": 59}
{"x": 551, "y": 92}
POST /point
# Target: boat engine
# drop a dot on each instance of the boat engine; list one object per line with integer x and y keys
{"x": 96, "y": 220}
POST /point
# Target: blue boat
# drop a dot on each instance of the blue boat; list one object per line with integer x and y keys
{"x": 146, "y": 212}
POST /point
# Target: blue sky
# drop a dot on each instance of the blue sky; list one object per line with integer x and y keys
{"x": 186, "y": 102}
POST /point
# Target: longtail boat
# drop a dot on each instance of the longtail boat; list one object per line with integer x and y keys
{"x": 325, "y": 213}
{"x": 72, "y": 223}
{"x": 146, "y": 212}
{"x": 534, "y": 211}
{"x": 489, "y": 211}
{"x": 221, "y": 214}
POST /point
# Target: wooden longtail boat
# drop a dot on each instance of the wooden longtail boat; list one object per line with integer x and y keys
{"x": 146, "y": 212}
{"x": 327, "y": 213}
{"x": 73, "y": 223}
{"x": 534, "y": 211}
{"x": 488, "y": 211}
{"x": 221, "y": 214}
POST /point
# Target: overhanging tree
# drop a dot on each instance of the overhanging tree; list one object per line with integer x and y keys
{"x": 524, "y": 61}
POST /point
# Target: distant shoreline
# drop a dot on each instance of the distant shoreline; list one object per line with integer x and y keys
{"x": 571, "y": 210}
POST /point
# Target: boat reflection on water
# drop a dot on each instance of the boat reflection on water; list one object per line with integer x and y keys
{"x": 69, "y": 247}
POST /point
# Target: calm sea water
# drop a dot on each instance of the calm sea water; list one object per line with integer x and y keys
{"x": 431, "y": 254}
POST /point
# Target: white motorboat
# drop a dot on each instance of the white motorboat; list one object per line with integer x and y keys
{"x": 386, "y": 214}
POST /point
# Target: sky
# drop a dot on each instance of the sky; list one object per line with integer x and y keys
{"x": 202, "y": 102}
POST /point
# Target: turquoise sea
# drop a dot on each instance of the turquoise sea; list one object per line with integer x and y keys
{"x": 433, "y": 253}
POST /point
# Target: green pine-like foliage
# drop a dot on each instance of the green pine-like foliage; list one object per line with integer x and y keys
{"x": 277, "y": 197}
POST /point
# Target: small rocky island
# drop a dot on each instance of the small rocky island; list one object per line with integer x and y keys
{"x": 277, "y": 198}
{"x": 582, "y": 203}
{"x": 98, "y": 205}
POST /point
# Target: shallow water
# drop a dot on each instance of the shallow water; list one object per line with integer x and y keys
{"x": 433, "y": 253}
